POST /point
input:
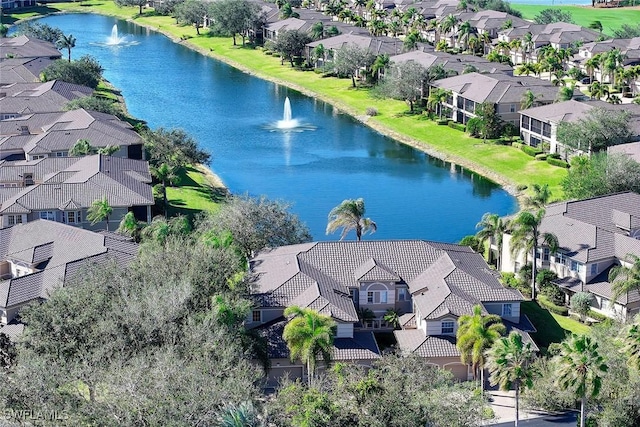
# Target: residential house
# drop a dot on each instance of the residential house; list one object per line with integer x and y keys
{"x": 22, "y": 70}
{"x": 488, "y": 22}
{"x": 503, "y": 91}
{"x": 628, "y": 48}
{"x": 539, "y": 125}
{"x": 594, "y": 235}
{"x": 375, "y": 45}
{"x": 453, "y": 64}
{"x": 46, "y": 189}
{"x": 35, "y": 136}
{"x": 27, "y": 47}
{"x": 40, "y": 256}
{"x": 357, "y": 283}
{"x": 20, "y": 99}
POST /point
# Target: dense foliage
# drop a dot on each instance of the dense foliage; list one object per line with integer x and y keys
{"x": 85, "y": 71}
{"x": 601, "y": 174}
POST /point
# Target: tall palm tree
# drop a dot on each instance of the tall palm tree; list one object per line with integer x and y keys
{"x": 436, "y": 97}
{"x": 527, "y": 68}
{"x": 130, "y": 226}
{"x": 448, "y": 26}
{"x": 540, "y": 198}
{"x": 579, "y": 369}
{"x": 597, "y": 90}
{"x": 465, "y": 31}
{"x": 591, "y": 65}
{"x": 66, "y": 42}
{"x": 527, "y": 45}
{"x": 631, "y": 344}
{"x": 526, "y": 236}
{"x": 309, "y": 334}
{"x": 625, "y": 279}
{"x": 99, "y": 211}
{"x": 165, "y": 174}
{"x": 492, "y": 227}
{"x": 349, "y": 215}
{"x": 477, "y": 333}
{"x": 528, "y": 100}
{"x": 509, "y": 363}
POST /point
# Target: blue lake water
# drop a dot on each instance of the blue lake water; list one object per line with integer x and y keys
{"x": 407, "y": 193}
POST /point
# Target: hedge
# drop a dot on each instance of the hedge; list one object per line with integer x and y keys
{"x": 442, "y": 122}
{"x": 530, "y": 150}
{"x": 457, "y": 126}
{"x": 557, "y": 162}
{"x": 545, "y": 303}
{"x": 541, "y": 156}
{"x": 597, "y": 316}
{"x": 516, "y": 144}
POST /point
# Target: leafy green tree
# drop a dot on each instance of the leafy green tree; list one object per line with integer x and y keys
{"x": 392, "y": 317}
{"x": 474, "y": 243}
{"x": 66, "y": 42}
{"x": 291, "y": 44}
{"x": 550, "y": 16}
{"x": 39, "y": 31}
{"x": 235, "y": 17}
{"x": 86, "y": 71}
{"x": 255, "y": 224}
{"x": 493, "y": 228}
{"x": 601, "y": 174}
{"x": 490, "y": 122}
{"x": 82, "y": 147}
{"x": 349, "y": 59}
{"x": 476, "y": 334}
{"x": 7, "y": 352}
{"x": 93, "y": 103}
{"x": 625, "y": 279}
{"x": 309, "y": 334}
{"x": 130, "y": 226}
{"x": 565, "y": 93}
{"x": 630, "y": 338}
{"x": 580, "y": 368}
{"x": 191, "y": 12}
{"x": 161, "y": 230}
{"x": 627, "y": 31}
{"x": 405, "y": 81}
{"x": 596, "y": 25}
{"x": 174, "y": 147}
{"x": 99, "y": 211}
{"x": 509, "y": 362}
{"x": 526, "y": 236}
{"x": 139, "y": 3}
{"x": 349, "y": 215}
{"x": 581, "y": 303}
{"x": 539, "y": 396}
{"x": 109, "y": 150}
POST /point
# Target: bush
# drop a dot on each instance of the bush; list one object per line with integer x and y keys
{"x": 557, "y": 162}
{"x": 474, "y": 126}
{"x": 531, "y": 151}
{"x": 597, "y": 316}
{"x": 541, "y": 157}
{"x": 443, "y": 122}
{"x": 517, "y": 144}
{"x": 554, "y": 155}
{"x": 545, "y": 303}
{"x": 457, "y": 126}
{"x": 86, "y": 71}
{"x": 372, "y": 111}
{"x": 521, "y": 187}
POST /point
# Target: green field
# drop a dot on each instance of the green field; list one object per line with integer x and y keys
{"x": 611, "y": 18}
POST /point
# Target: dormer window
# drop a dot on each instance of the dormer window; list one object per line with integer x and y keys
{"x": 72, "y": 217}
{"x": 506, "y": 310}
{"x": 447, "y": 327}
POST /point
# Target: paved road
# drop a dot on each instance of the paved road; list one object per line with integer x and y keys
{"x": 545, "y": 421}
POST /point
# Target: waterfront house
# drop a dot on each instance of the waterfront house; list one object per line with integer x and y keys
{"x": 27, "y": 47}
{"x": 428, "y": 284}
{"x": 37, "y": 257}
{"x": 453, "y": 64}
{"x": 594, "y": 235}
{"x": 22, "y": 70}
{"x": 46, "y": 189}
{"x": 19, "y": 99}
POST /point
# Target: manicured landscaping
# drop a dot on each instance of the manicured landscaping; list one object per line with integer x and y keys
{"x": 505, "y": 165}
{"x": 611, "y": 18}
{"x": 551, "y": 328}
{"x": 195, "y": 191}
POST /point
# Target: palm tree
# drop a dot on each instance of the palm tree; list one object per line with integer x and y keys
{"x": 165, "y": 174}
{"x": 509, "y": 362}
{"x": 477, "y": 333}
{"x": 579, "y": 368}
{"x": 242, "y": 415}
{"x": 527, "y": 45}
{"x": 591, "y": 65}
{"x": 66, "y": 42}
{"x": 492, "y": 228}
{"x": 525, "y": 237}
{"x": 309, "y": 334}
{"x": 130, "y": 226}
{"x": 448, "y": 25}
{"x": 99, "y": 211}
{"x": 380, "y": 64}
{"x": 82, "y": 147}
{"x": 631, "y": 344}
{"x": 597, "y": 90}
{"x": 527, "y": 68}
{"x": 436, "y": 97}
{"x": 392, "y": 317}
{"x": 528, "y": 100}
{"x": 540, "y": 197}
{"x": 625, "y": 279}
{"x": 349, "y": 215}
{"x": 465, "y": 31}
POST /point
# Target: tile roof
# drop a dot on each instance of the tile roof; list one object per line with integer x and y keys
{"x": 414, "y": 341}
{"x": 52, "y": 96}
{"x": 22, "y": 70}
{"x": 53, "y": 247}
{"x": 455, "y": 63}
{"x": 27, "y": 47}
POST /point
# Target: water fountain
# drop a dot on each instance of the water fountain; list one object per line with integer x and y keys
{"x": 114, "y": 40}
{"x": 287, "y": 121}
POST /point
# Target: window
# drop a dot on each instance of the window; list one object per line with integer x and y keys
{"x": 512, "y": 108}
{"x": 383, "y": 297}
{"x": 402, "y": 294}
{"x": 48, "y": 215}
{"x": 594, "y": 269}
{"x": 256, "y": 316}
{"x": 38, "y": 156}
{"x": 574, "y": 265}
{"x": 545, "y": 254}
{"x": 447, "y": 327}
{"x": 534, "y": 142}
{"x": 506, "y": 310}
{"x": 377, "y": 297}
{"x": 14, "y": 219}
{"x": 72, "y": 217}
{"x": 370, "y": 297}
{"x": 62, "y": 154}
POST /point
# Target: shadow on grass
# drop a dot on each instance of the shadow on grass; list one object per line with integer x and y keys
{"x": 12, "y": 18}
{"x": 548, "y": 329}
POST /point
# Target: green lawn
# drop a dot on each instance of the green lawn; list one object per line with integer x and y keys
{"x": 505, "y": 165}
{"x": 551, "y": 328}
{"x": 195, "y": 192}
{"x": 611, "y": 18}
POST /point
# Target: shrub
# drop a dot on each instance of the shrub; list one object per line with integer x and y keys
{"x": 457, "y": 126}
{"x": 541, "y": 157}
{"x": 516, "y": 144}
{"x": 474, "y": 126}
{"x": 530, "y": 150}
{"x": 557, "y": 162}
{"x": 598, "y": 316}
{"x": 372, "y": 111}
{"x": 443, "y": 122}
{"x": 521, "y": 187}
{"x": 554, "y": 155}
{"x": 545, "y": 303}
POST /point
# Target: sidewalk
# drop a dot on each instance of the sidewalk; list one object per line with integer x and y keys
{"x": 503, "y": 405}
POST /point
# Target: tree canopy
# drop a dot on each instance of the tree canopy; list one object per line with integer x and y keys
{"x": 86, "y": 71}
{"x": 350, "y": 58}
{"x": 291, "y": 44}
{"x": 191, "y": 12}
{"x": 39, "y": 31}
{"x": 550, "y": 16}
{"x": 601, "y": 174}
{"x": 174, "y": 147}
{"x": 235, "y": 17}
{"x": 599, "y": 129}
{"x": 404, "y": 81}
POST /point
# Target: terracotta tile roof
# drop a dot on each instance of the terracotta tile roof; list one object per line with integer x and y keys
{"x": 414, "y": 341}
